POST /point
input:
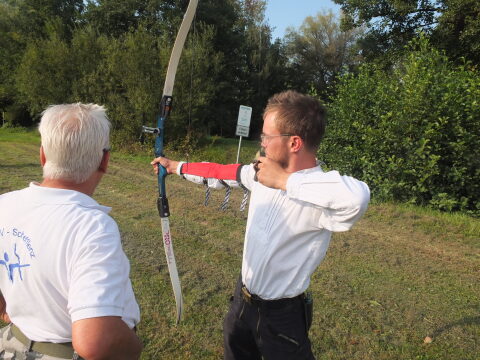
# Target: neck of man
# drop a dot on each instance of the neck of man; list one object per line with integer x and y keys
{"x": 300, "y": 161}
{"x": 87, "y": 187}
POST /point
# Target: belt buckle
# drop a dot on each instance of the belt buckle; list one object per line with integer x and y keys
{"x": 246, "y": 295}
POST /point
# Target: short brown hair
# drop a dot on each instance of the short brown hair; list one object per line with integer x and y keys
{"x": 300, "y": 115}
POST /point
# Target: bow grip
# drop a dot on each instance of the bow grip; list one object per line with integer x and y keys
{"x": 162, "y": 206}
{"x": 162, "y": 201}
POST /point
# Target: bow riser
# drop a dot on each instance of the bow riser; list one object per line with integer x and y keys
{"x": 162, "y": 202}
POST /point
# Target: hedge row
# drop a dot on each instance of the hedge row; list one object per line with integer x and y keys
{"x": 412, "y": 133}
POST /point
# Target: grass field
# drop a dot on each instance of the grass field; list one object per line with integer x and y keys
{"x": 401, "y": 275}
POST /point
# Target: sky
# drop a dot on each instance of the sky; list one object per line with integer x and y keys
{"x": 281, "y": 14}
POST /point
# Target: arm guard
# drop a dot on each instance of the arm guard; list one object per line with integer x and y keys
{"x": 212, "y": 170}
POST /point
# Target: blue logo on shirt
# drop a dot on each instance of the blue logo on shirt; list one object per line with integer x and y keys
{"x": 10, "y": 266}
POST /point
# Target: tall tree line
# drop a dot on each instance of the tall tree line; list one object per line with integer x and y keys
{"x": 116, "y": 53}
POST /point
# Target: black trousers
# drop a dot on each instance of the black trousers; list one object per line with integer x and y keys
{"x": 274, "y": 330}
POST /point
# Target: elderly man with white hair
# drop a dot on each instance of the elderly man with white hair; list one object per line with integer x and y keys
{"x": 64, "y": 277}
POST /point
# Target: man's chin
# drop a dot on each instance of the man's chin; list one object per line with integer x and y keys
{"x": 281, "y": 162}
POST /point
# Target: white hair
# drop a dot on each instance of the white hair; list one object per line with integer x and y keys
{"x": 74, "y": 137}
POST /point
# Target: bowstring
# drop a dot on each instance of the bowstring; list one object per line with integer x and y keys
{"x": 192, "y": 58}
{"x": 190, "y": 102}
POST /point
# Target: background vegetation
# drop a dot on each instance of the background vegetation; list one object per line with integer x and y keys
{"x": 412, "y": 132}
{"x": 399, "y": 77}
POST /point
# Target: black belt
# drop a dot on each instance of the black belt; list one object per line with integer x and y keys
{"x": 273, "y": 304}
{"x": 60, "y": 350}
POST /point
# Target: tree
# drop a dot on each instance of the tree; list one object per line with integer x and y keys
{"x": 453, "y": 24}
{"x": 36, "y": 15}
{"x": 319, "y": 51}
{"x": 458, "y": 30}
{"x": 226, "y": 19}
{"x": 21, "y": 23}
{"x": 10, "y": 53}
{"x": 45, "y": 74}
{"x": 116, "y": 53}
{"x": 114, "y": 18}
{"x": 391, "y": 23}
{"x": 265, "y": 63}
{"x": 249, "y": 61}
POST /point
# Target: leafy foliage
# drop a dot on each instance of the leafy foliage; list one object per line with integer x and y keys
{"x": 117, "y": 54}
{"x": 45, "y": 73}
{"x": 452, "y": 24}
{"x": 412, "y": 133}
{"x": 458, "y": 30}
{"x": 319, "y": 52}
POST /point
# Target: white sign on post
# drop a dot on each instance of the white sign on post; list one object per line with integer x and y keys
{"x": 242, "y": 131}
{"x": 243, "y": 124}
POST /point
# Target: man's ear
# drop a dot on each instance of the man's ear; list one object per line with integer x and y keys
{"x": 296, "y": 143}
{"x": 104, "y": 163}
{"x": 43, "y": 159}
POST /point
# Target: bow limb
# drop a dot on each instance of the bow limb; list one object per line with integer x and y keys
{"x": 166, "y": 106}
{"x": 178, "y": 47}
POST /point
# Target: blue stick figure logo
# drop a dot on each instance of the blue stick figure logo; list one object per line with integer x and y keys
{"x": 12, "y": 266}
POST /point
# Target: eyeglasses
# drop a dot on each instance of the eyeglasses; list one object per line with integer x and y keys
{"x": 265, "y": 138}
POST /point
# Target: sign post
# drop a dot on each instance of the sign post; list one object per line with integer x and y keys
{"x": 243, "y": 124}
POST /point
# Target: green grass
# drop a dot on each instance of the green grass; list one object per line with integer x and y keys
{"x": 402, "y": 274}
{"x": 20, "y": 135}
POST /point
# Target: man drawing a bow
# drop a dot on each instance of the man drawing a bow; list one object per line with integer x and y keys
{"x": 294, "y": 208}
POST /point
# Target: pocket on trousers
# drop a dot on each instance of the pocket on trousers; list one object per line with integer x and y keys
{"x": 286, "y": 328}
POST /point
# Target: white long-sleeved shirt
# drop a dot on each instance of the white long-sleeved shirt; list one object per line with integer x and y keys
{"x": 288, "y": 232}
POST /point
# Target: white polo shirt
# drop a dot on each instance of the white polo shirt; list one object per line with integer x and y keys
{"x": 61, "y": 260}
{"x": 288, "y": 232}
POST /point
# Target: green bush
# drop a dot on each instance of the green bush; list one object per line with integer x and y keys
{"x": 126, "y": 74}
{"x": 17, "y": 115}
{"x": 411, "y": 133}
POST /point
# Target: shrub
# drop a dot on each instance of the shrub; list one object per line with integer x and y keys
{"x": 412, "y": 133}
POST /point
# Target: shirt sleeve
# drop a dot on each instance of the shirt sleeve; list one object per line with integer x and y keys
{"x": 99, "y": 280}
{"x": 342, "y": 199}
{"x": 247, "y": 176}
